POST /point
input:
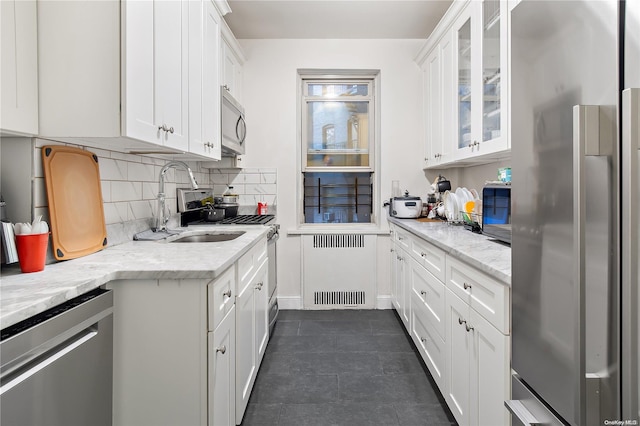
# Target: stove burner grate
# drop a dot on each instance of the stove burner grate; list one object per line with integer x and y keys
{"x": 248, "y": 219}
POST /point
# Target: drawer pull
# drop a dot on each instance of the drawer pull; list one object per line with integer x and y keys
{"x": 259, "y": 286}
{"x": 461, "y": 321}
{"x": 227, "y": 293}
{"x": 422, "y": 292}
{"x": 423, "y": 340}
{"x": 468, "y": 327}
{"x": 423, "y": 254}
{"x": 466, "y": 286}
{"x": 222, "y": 349}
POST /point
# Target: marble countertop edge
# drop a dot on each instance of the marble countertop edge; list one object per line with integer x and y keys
{"x": 477, "y": 250}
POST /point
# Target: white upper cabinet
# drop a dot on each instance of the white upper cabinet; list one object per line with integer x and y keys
{"x": 155, "y": 59}
{"x": 204, "y": 86}
{"x": 465, "y": 67}
{"x": 19, "y": 73}
{"x": 132, "y": 76}
{"x": 231, "y": 64}
{"x": 480, "y": 37}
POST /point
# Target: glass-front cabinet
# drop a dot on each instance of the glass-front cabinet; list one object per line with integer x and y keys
{"x": 480, "y": 36}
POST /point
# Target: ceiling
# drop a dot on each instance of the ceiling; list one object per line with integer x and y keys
{"x": 335, "y": 19}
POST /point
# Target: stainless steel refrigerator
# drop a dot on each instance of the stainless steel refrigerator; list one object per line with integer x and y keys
{"x": 575, "y": 204}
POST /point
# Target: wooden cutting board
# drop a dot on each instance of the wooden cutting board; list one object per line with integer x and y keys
{"x": 72, "y": 176}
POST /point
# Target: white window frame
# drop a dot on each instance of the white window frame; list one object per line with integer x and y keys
{"x": 322, "y": 75}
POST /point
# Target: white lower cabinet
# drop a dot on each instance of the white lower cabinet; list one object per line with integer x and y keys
{"x": 477, "y": 374}
{"x": 187, "y": 351}
{"x": 222, "y": 372}
{"x": 460, "y": 327}
{"x": 252, "y": 334}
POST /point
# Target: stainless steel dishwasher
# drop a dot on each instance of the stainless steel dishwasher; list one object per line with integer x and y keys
{"x": 56, "y": 367}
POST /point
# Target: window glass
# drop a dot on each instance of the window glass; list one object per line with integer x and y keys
{"x": 337, "y": 150}
{"x": 338, "y": 197}
{"x": 337, "y": 134}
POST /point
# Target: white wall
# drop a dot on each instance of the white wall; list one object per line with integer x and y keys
{"x": 269, "y": 95}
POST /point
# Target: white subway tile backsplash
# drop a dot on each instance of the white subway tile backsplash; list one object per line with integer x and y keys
{"x": 149, "y": 190}
{"x": 129, "y": 185}
{"x": 141, "y": 172}
{"x": 126, "y": 191}
{"x": 141, "y": 209}
{"x": 105, "y": 185}
{"x": 111, "y": 169}
{"x": 261, "y": 189}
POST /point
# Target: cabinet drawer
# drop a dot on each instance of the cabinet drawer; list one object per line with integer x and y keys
{"x": 402, "y": 238}
{"x": 221, "y": 296}
{"x": 429, "y": 256}
{"x": 248, "y": 264}
{"x": 429, "y": 292}
{"x": 430, "y": 345}
{"x": 485, "y": 295}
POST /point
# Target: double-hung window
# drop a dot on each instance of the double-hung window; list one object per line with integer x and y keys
{"x": 338, "y": 146}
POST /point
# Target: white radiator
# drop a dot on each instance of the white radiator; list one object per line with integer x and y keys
{"x": 339, "y": 271}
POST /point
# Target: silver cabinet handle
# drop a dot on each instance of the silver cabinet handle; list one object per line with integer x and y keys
{"x": 392, "y": 250}
{"x": 225, "y": 87}
{"x": 422, "y": 292}
{"x": 227, "y": 293}
{"x": 259, "y": 286}
{"x": 222, "y": 349}
{"x": 520, "y": 412}
{"x": 209, "y": 145}
{"x": 468, "y": 327}
{"x": 164, "y": 128}
{"x": 466, "y": 286}
{"x": 461, "y": 321}
{"x": 629, "y": 199}
{"x": 423, "y": 254}
{"x": 423, "y": 340}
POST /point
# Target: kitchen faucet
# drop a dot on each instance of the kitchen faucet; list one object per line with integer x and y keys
{"x": 161, "y": 220}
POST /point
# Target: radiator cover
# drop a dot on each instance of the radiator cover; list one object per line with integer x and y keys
{"x": 339, "y": 271}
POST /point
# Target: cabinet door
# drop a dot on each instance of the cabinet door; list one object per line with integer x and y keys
{"x": 261, "y": 300}
{"x": 19, "y": 61}
{"x": 449, "y": 96}
{"x": 464, "y": 83}
{"x": 231, "y": 71}
{"x": 493, "y": 130}
{"x": 204, "y": 91}
{"x": 459, "y": 343}
{"x": 156, "y": 72}
{"x": 433, "y": 98}
{"x": 430, "y": 345}
{"x": 245, "y": 348}
{"x": 490, "y": 373}
{"x": 222, "y": 376}
{"x": 394, "y": 277}
{"x": 403, "y": 282}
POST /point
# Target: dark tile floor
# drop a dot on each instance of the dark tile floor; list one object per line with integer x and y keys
{"x": 346, "y": 367}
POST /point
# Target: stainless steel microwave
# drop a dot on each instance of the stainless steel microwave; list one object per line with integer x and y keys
{"x": 234, "y": 126}
{"x": 496, "y": 211}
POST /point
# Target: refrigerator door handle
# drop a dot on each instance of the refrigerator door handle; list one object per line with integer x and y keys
{"x": 520, "y": 412}
{"x": 592, "y": 136}
{"x": 630, "y": 200}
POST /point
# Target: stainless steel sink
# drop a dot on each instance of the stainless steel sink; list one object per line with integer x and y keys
{"x": 209, "y": 237}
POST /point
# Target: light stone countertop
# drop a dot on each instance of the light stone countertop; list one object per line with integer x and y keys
{"x": 25, "y": 295}
{"x": 479, "y": 251}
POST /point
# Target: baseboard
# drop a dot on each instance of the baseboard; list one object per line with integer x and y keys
{"x": 290, "y": 302}
{"x": 384, "y": 302}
